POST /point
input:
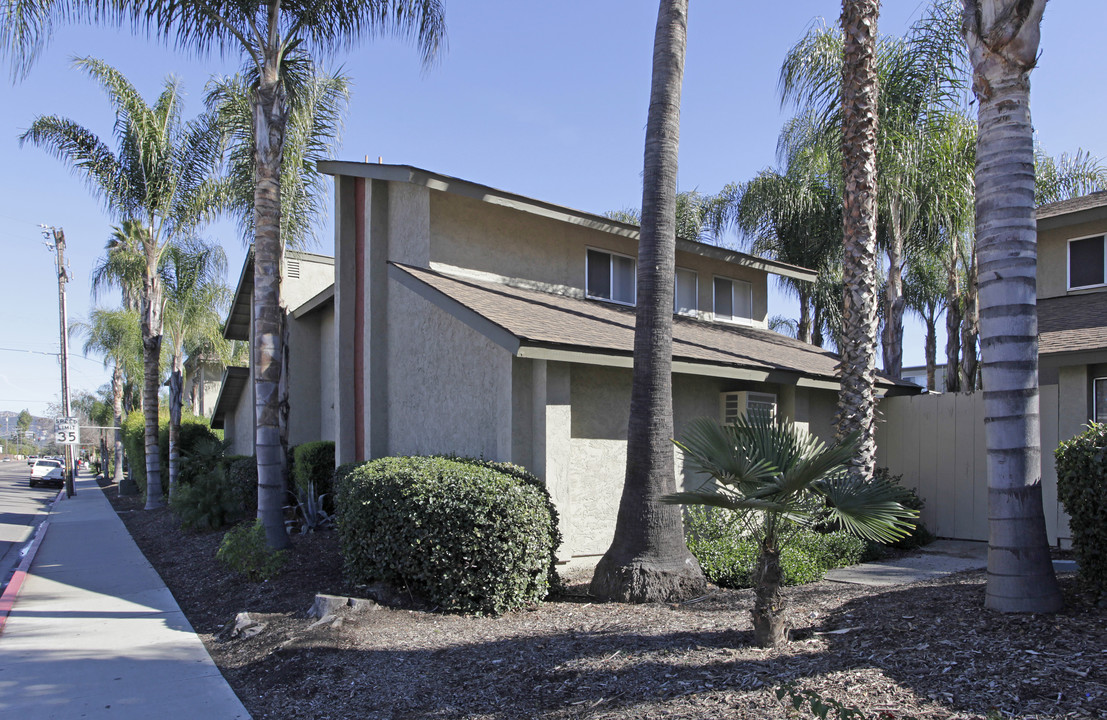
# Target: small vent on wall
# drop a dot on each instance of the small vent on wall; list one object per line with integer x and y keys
{"x": 292, "y": 269}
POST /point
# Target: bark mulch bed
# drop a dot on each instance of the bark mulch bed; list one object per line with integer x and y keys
{"x": 927, "y": 650}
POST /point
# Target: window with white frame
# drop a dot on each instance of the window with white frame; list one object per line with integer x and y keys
{"x": 609, "y": 276}
{"x": 1099, "y": 400}
{"x": 686, "y": 292}
{"x": 1086, "y": 263}
{"x": 733, "y": 300}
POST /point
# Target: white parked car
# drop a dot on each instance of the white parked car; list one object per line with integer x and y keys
{"x": 47, "y": 472}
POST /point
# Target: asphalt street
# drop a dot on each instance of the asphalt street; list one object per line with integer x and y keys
{"x": 22, "y": 508}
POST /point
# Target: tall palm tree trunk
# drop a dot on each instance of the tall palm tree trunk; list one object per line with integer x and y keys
{"x": 151, "y": 361}
{"x": 931, "y": 351}
{"x": 1003, "y": 43}
{"x": 117, "y": 414}
{"x": 176, "y": 383}
{"x": 648, "y": 559}
{"x": 970, "y": 327}
{"x": 856, "y": 399}
{"x": 270, "y": 110}
{"x": 894, "y": 303}
{"x": 954, "y": 316}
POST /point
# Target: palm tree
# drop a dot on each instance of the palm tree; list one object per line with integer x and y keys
{"x": 161, "y": 179}
{"x": 117, "y": 337}
{"x": 857, "y": 348}
{"x": 648, "y": 559}
{"x": 1002, "y": 36}
{"x": 795, "y": 215}
{"x": 779, "y": 478}
{"x": 1068, "y": 176}
{"x": 924, "y": 286}
{"x": 922, "y": 81}
{"x": 196, "y": 298}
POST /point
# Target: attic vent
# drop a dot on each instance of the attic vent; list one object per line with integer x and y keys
{"x": 732, "y": 405}
{"x": 292, "y": 269}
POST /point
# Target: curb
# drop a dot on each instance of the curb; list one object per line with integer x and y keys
{"x": 7, "y": 600}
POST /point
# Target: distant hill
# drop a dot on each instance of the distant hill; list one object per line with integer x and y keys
{"x": 43, "y": 428}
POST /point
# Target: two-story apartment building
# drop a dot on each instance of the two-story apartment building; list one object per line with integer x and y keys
{"x": 1072, "y": 308}
{"x": 479, "y": 322}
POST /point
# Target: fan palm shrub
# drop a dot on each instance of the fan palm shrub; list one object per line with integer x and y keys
{"x": 779, "y": 480}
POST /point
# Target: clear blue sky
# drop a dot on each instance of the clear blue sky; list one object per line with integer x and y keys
{"x": 543, "y": 99}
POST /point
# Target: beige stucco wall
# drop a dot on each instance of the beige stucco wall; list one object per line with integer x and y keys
{"x": 449, "y": 387}
{"x": 1053, "y": 256}
{"x": 600, "y": 412}
{"x": 326, "y": 372}
{"x": 476, "y": 235}
{"x": 241, "y": 431}
{"x": 316, "y": 273}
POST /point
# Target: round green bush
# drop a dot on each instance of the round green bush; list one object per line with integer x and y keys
{"x": 1082, "y": 490}
{"x": 458, "y": 533}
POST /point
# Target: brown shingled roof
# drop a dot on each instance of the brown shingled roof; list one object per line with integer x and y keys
{"x": 1063, "y": 207}
{"x": 552, "y": 320}
{"x": 1072, "y": 323}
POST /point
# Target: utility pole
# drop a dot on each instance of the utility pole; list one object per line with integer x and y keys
{"x": 55, "y": 240}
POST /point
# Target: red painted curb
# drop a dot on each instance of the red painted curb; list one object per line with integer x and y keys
{"x": 7, "y": 600}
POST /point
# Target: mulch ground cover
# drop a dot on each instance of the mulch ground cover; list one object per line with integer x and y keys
{"x": 927, "y": 650}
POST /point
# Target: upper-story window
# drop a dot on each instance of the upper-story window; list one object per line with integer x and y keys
{"x": 1086, "y": 263}
{"x": 609, "y": 276}
{"x": 686, "y": 291}
{"x": 733, "y": 300}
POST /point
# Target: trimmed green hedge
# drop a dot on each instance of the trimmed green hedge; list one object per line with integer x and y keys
{"x": 727, "y": 559}
{"x": 466, "y": 535}
{"x": 1082, "y": 490}
{"x": 313, "y": 463}
{"x": 195, "y": 435}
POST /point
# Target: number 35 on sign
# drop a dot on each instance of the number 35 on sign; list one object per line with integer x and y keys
{"x": 67, "y": 431}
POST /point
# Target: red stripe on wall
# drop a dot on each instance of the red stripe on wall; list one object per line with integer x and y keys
{"x": 359, "y": 318}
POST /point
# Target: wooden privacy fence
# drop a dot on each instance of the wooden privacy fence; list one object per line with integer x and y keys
{"x": 937, "y": 443}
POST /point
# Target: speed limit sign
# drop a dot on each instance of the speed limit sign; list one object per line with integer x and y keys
{"x": 67, "y": 431}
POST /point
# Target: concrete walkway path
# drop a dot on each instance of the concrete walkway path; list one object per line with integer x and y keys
{"x": 94, "y": 632}
{"x": 939, "y": 558}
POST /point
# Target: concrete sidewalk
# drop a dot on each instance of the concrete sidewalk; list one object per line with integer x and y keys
{"x": 941, "y": 557}
{"x": 94, "y": 632}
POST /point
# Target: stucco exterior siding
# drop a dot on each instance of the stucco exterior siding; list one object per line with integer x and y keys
{"x": 450, "y": 391}
{"x": 1053, "y": 256}
{"x": 327, "y": 368}
{"x": 468, "y": 233}
{"x": 241, "y": 431}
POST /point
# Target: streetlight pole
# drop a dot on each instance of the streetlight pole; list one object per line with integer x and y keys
{"x": 58, "y": 244}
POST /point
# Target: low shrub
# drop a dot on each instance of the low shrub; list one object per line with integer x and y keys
{"x": 242, "y": 473}
{"x": 244, "y": 550}
{"x": 313, "y": 471}
{"x": 910, "y": 499}
{"x": 714, "y": 537}
{"x": 209, "y": 502}
{"x": 465, "y": 535}
{"x": 1082, "y": 490}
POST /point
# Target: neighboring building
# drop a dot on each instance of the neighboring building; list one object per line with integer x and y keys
{"x": 1072, "y": 308}
{"x": 307, "y": 292}
{"x": 917, "y": 374}
{"x": 203, "y": 378}
{"x": 474, "y": 321}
